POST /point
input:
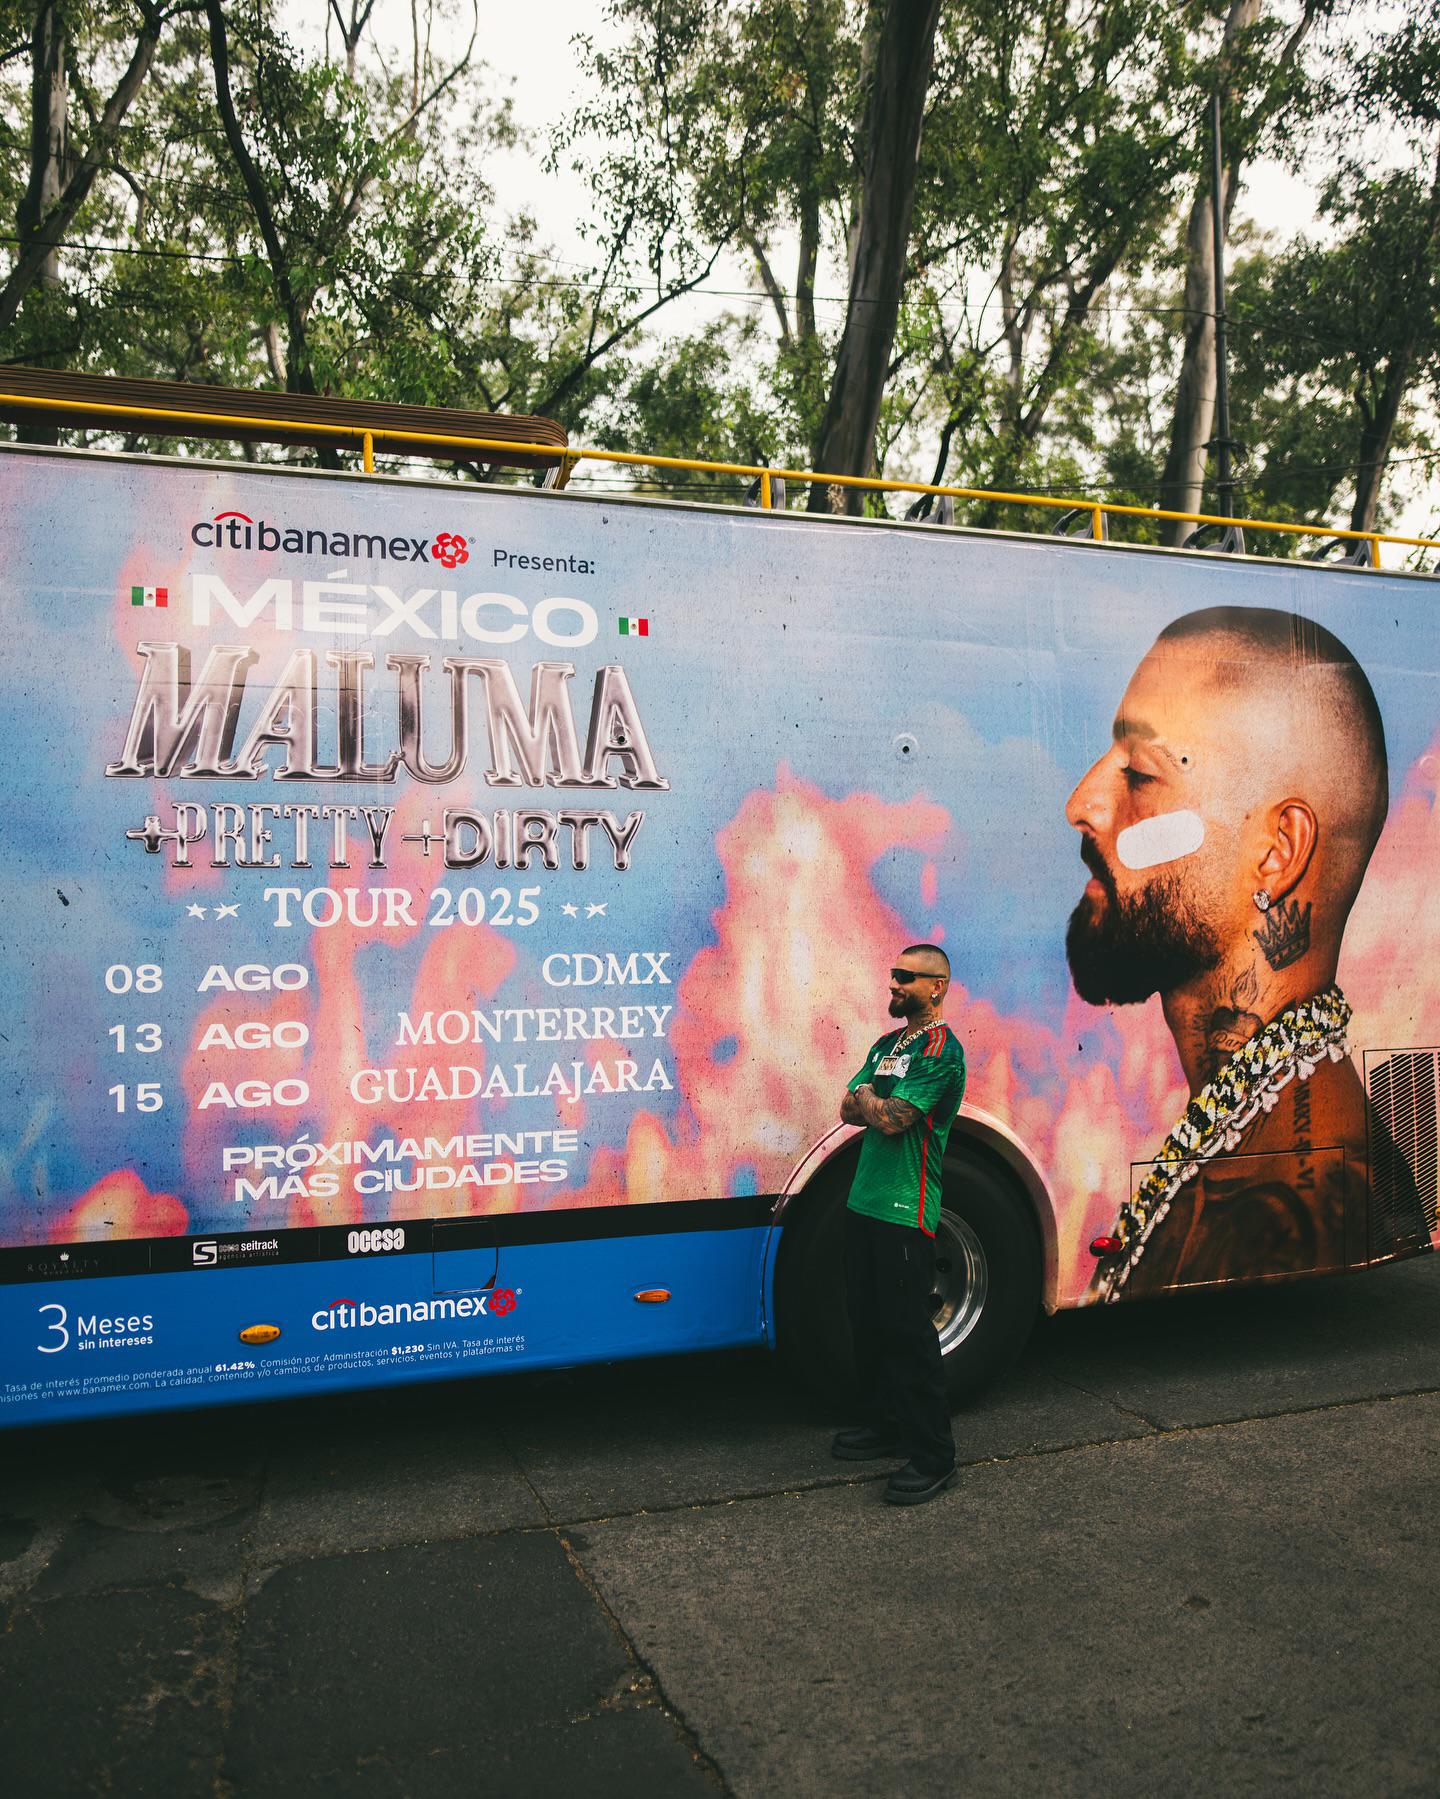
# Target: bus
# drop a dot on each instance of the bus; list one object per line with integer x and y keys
{"x": 443, "y": 919}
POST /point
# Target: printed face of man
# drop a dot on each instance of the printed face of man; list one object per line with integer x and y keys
{"x": 1158, "y": 816}
{"x": 1248, "y": 756}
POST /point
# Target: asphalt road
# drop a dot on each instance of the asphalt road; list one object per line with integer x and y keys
{"x": 1190, "y": 1551}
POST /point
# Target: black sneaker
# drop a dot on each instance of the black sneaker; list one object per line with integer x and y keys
{"x": 863, "y": 1445}
{"x": 913, "y": 1486}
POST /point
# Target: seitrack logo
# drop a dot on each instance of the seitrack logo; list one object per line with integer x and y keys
{"x": 348, "y": 1314}
{"x": 238, "y": 531}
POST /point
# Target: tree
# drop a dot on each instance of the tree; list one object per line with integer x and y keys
{"x": 64, "y": 160}
{"x": 1259, "y": 91}
{"x": 1398, "y": 81}
{"x": 328, "y": 191}
{"x": 899, "y": 80}
{"x": 315, "y": 222}
{"x": 1048, "y": 146}
{"x": 1056, "y": 138}
{"x": 968, "y": 230}
{"x": 1342, "y": 345}
{"x": 728, "y": 126}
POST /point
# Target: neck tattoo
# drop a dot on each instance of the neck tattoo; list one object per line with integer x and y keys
{"x": 1290, "y": 1048}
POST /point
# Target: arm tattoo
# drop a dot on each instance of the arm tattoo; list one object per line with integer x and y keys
{"x": 892, "y": 1116}
{"x": 1285, "y": 934}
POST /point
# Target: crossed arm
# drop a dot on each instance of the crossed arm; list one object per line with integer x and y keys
{"x": 864, "y": 1106}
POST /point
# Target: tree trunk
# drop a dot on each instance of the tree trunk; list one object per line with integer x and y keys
{"x": 299, "y": 376}
{"x": 894, "y": 114}
{"x": 809, "y": 256}
{"x": 1379, "y": 430}
{"x": 1375, "y": 439}
{"x": 869, "y": 45}
{"x": 1183, "y": 480}
{"x": 1015, "y": 333}
{"x": 60, "y": 182}
{"x": 809, "y": 356}
{"x": 49, "y": 122}
{"x": 49, "y": 130}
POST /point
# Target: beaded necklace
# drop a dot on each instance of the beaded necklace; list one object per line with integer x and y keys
{"x": 1291, "y": 1047}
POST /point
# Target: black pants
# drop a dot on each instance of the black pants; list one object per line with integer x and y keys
{"x": 889, "y": 1278}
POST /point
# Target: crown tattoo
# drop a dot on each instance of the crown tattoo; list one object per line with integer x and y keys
{"x": 1285, "y": 934}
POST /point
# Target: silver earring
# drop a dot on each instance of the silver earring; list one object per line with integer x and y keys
{"x": 1262, "y": 901}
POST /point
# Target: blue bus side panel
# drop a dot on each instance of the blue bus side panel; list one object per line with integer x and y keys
{"x": 286, "y": 964}
{"x": 91, "y": 1348}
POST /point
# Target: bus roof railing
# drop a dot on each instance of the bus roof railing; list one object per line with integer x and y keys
{"x": 71, "y": 398}
{"x": 366, "y": 425}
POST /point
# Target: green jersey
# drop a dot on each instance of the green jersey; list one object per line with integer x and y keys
{"x": 898, "y": 1178}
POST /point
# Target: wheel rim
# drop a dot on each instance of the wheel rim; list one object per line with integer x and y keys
{"x": 962, "y": 1279}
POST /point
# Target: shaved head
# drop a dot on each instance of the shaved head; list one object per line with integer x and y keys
{"x": 929, "y": 958}
{"x": 1310, "y": 722}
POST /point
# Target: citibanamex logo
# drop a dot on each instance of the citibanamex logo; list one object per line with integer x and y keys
{"x": 449, "y": 550}
{"x": 502, "y": 1301}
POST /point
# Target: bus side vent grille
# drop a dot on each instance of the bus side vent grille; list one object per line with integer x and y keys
{"x": 1403, "y": 1086}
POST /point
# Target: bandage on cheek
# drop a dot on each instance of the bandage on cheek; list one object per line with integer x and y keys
{"x": 1162, "y": 839}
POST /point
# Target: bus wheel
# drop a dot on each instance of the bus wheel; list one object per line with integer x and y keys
{"x": 987, "y": 1281}
{"x": 987, "y": 1274}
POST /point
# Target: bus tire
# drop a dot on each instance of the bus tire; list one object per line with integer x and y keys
{"x": 988, "y": 1275}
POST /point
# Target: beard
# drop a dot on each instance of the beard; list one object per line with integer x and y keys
{"x": 903, "y": 1005}
{"x": 1121, "y": 951}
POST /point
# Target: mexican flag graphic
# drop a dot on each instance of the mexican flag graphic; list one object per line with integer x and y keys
{"x": 149, "y": 596}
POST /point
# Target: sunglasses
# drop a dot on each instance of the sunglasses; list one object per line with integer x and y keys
{"x": 903, "y": 976}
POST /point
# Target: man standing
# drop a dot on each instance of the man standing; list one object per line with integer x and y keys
{"x": 906, "y": 1096}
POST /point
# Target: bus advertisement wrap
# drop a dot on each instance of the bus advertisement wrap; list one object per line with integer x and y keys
{"x": 391, "y": 866}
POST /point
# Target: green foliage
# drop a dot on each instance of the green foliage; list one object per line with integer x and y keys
{"x": 1326, "y": 324}
{"x": 353, "y": 239}
{"x": 367, "y": 255}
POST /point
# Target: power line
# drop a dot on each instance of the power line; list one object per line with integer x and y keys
{"x": 634, "y": 289}
{"x": 747, "y": 294}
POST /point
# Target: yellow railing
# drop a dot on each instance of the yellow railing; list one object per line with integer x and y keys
{"x": 567, "y": 459}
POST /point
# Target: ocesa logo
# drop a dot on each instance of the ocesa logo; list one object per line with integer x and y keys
{"x": 370, "y": 1243}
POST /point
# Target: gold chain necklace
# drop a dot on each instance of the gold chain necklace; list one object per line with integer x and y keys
{"x": 1290, "y": 1047}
